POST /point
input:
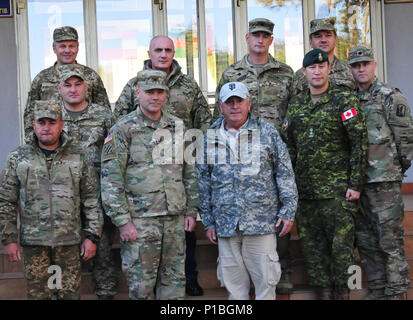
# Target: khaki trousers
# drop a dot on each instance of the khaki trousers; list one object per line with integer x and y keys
{"x": 245, "y": 256}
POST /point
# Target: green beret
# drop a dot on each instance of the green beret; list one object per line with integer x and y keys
{"x": 151, "y": 79}
{"x": 360, "y": 53}
{"x": 314, "y": 56}
{"x": 261, "y": 24}
{"x": 64, "y": 34}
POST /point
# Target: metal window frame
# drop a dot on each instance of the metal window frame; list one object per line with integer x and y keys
{"x": 160, "y": 27}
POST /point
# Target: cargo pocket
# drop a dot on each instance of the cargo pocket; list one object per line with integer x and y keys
{"x": 273, "y": 269}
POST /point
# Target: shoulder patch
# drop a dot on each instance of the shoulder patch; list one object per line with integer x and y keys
{"x": 108, "y": 139}
{"x": 350, "y": 113}
{"x": 401, "y": 110}
{"x": 285, "y": 125}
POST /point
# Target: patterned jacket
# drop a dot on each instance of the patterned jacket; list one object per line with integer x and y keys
{"x": 45, "y": 87}
{"x": 185, "y": 99}
{"x": 269, "y": 91}
{"x": 56, "y": 197}
{"x": 250, "y": 193}
{"x": 327, "y": 142}
{"x": 390, "y": 132}
{"x": 136, "y": 181}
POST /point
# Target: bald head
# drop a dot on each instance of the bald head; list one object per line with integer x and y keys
{"x": 161, "y": 52}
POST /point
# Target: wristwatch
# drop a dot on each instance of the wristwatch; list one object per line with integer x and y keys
{"x": 93, "y": 238}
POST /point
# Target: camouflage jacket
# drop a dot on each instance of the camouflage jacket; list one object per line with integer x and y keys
{"x": 89, "y": 130}
{"x": 250, "y": 193}
{"x": 55, "y": 205}
{"x": 327, "y": 142}
{"x": 269, "y": 91}
{"x": 390, "y": 132}
{"x": 340, "y": 76}
{"x": 136, "y": 181}
{"x": 185, "y": 99}
{"x": 45, "y": 87}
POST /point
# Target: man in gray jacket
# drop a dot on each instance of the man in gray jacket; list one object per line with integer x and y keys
{"x": 247, "y": 189}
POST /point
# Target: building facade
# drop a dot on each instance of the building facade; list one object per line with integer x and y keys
{"x": 209, "y": 35}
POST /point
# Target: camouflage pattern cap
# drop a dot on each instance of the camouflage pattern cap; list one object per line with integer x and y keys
{"x": 322, "y": 24}
{"x": 314, "y": 56}
{"x": 261, "y": 24}
{"x": 64, "y": 34}
{"x": 151, "y": 79}
{"x": 360, "y": 53}
{"x": 47, "y": 109}
{"x": 67, "y": 71}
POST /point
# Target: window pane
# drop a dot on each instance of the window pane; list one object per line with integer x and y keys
{"x": 287, "y": 16}
{"x": 219, "y": 37}
{"x": 182, "y": 29}
{"x": 124, "y": 32}
{"x": 352, "y": 23}
{"x": 44, "y": 17}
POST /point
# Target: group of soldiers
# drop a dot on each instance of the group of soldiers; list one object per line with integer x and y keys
{"x": 333, "y": 145}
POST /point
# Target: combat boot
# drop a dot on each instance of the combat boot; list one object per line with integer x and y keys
{"x": 375, "y": 294}
{"x": 399, "y": 296}
{"x": 285, "y": 285}
{"x": 341, "y": 294}
{"x": 323, "y": 293}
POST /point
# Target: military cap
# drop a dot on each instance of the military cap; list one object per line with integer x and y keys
{"x": 65, "y": 33}
{"x": 47, "y": 109}
{"x": 360, "y": 53}
{"x": 261, "y": 24}
{"x": 322, "y": 24}
{"x": 151, "y": 79}
{"x": 231, "y": 89}
{"x": 67, "y": 71}
{"x": 314, "y": 56}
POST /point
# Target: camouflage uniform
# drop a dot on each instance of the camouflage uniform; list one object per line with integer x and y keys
{"x": 185, "y": 99}
{"x": 45, "y": 87}
{"x": 340, "y": 74}
{"x": 246, "y": 199}
{"x": 269, "y": 91}
{"x": 379, "y": 229}
{"x": 137, "y": 186}
{"x": 88, "y": 130}
{"x": 328, "y": 155}
{"x": 186, "y": 102}
{"x": 57, "y": 198}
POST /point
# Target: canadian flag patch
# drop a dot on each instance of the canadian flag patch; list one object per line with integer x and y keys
{"x": 350, "y": 113}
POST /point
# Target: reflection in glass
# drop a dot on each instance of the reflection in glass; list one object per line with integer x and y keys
{"x": 124, "y": 32}
{"x": 44, "y": 17}
{"x": 287, "y": 16}
{"x": 182, "y": 29}
{"x": 352, "y": 22}
{"x": 219, "y": 37}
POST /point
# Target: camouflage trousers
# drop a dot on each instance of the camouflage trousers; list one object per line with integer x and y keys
{"x": 42, "y": 285}
{"x": 379, "y": 237}
{"x": 326, "y": 231}
{"x": 154, "y": 264}
{"x": 104, "y": 269}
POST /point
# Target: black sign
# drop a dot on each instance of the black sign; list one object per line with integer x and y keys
{"x": 6, "y": 7}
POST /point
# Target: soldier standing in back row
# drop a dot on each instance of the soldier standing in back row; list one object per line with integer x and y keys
{"x": 88, "y": 124}
{"x": 379, "y": 229}
{"x": 185, "y": 101}
{"x": 323, "y": 35}
{"x": 327, "y": 140}
{"x": 45, "y": 84}
{"x": 51, "y": 185}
